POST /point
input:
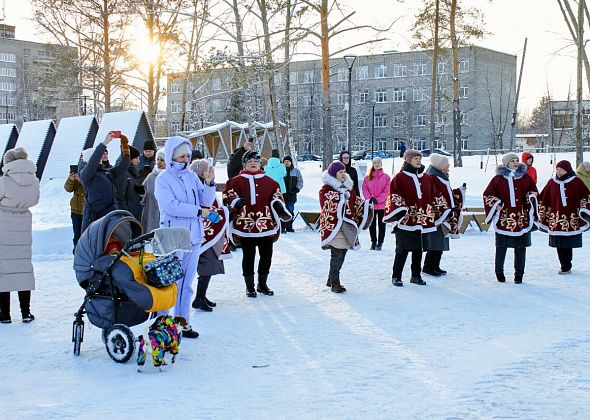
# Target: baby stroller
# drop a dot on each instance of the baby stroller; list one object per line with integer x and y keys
{"x": 118, "y": 295}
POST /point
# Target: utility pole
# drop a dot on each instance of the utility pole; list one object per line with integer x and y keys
{"x": 373, "y": 102}
{"x": 513, "y": 124}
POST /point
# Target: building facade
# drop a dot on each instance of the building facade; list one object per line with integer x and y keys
{"x": 391, "y": 96}
{"x": 563, "y": 118}
{"x": 37, "y": 81}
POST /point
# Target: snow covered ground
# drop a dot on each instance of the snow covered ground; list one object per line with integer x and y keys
{"x": 464, "y": 346}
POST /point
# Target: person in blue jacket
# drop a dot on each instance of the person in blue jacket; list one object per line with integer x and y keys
{"x": 276, "y": 170}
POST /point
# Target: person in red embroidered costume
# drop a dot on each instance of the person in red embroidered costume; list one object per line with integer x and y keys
{"x": 564, "y": 213}
{"x": 259, "y": 210}
{"x": 438, "y": 241}
{"x": 342, "y": 215}
{"x": 510, "y": 203}
{"x": 416, "y": 207}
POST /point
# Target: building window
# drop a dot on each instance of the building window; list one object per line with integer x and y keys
{"x": 380, "y": 71}
{"x": 343, "y": 75}
{"x": 174, "y": 126}
{"x": 306, "y": 100}
{"x": 419, "y": 94}
{"x": 8, "y": 116}
{"x": 362, "y": 73}
{"x": 381, "y": 143}
{"x": 399, "y": 94}
{"x": 363, "y": 122}
{"x": 442, "y": 68}
{"x": 278, "y": 78}
{"x": 380, "y": 120}
{"x": 381, "y": 96}
{"x": 26, "y": 52}
{"x": 420, "y": 143}
{"x": 463, "y": 118}
{"x": 399, "y": 119}
{"x": 293, "y": 100}
{"x": 420, "y": 120}
{"x": 464, "y": 66}
{"x": 342, "y": 98}
{"x": 7, "y": 57}
{"x": 441, "y": 118}
{"x": 216, "y": 84}
{"x": 420, "y": 68}
{"x": 7, "y": 72}
{"x": 399, "y": 70}
{"x": 397, "y": 142}
{"x": 175, "y": 87}
{"x": 7, "y": 87}
{"x": 464, "y": 92}
{"x": 364, "y": 96}
{"x": 464, "y": 143}
{"x": 293, "y": 78}
{"x": 308, "y": 76}
{"x": 44, "y": 54}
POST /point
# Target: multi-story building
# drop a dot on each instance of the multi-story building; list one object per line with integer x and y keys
{"x": 37, "y": 81}
{"x": 391, "y": 94}
{"x": 563, "y": 117}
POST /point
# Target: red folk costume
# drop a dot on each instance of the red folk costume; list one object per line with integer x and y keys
{"x": 510, "y": 201}
{"x": 456, "y": 200}
{"x": 415, "y": 202}
{"x": 264, "y": 209}
{"x": 341, "y": 208}
{"x": 564, "y": 207}
{"x": 217, "y": 234}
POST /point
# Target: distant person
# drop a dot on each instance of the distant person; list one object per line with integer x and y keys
{"x": 527, "y": 159}
{"x": 276, "y": 170}
{"x": 104, "y": 160}
{"x": 376, "y": 190}
{"x": 583, "y": 172}
{"x": 345, "y": 157}
{"x": 74, "y": 185}
{"x": 150, "y": 215}
{"x": 196, "y": 154}
{"x": 293, "y": 185}
{"x": 99, "y": 182}
{"x": 148, "y": 157}
{"x": 19, "y": 191}
{"x": 129, "y": 188}
{"x": 402, "y": 149}
{"x": 234, "y": 165}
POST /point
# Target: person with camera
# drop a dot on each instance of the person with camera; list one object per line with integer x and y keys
{"x": 234, "y": 166}
{"x": 184, "y": 202}
{"x": 74, "y": 185}
{"x": 99, "y": 182}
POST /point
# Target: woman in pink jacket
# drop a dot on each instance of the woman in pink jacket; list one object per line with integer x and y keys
{"x": 376, "y": 190}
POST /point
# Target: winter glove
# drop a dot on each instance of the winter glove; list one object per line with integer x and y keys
{"x": 125, "y": 146}
{"x": 213, "y": 217}
{"x": 139, "y": 189}
{"x": 239, "y": 204}
{"x": 373, "y": 200}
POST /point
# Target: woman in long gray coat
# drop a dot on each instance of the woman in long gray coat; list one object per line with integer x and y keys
{"x": 150, "y": 217}
{"x": 19, "y": 190}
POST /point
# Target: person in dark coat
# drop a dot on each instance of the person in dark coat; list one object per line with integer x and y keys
{"x": 402, "y": 149}
{"x": 129, "y": 188}
{"x": 234, "y": 166}
{"x": 293, "y": 184}
{"x": 99, "y": 183}
{"x": 346, "y": 159}
{"x": 148, "y": 156}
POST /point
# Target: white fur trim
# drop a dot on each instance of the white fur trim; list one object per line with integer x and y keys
{"x": 251, "y": 179}
{"x": 220, "y": 234}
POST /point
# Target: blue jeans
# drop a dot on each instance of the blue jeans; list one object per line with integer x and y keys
{"x": 77, "y": 225}
{"x": 291, "y": 207}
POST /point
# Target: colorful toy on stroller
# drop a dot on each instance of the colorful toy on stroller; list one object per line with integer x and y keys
{"x": 109, "y": 263}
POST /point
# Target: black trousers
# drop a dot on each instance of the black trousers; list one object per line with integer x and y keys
{"x": 249, "y": 246}
{"x": 336, "y": 260}
{"x": 519, "y": 260}
{"x": 377, "y": 221}
{"x": 77, "y": 225}
{"x": 400, "y": 261}
{"x": 24, "y": 298}
{"x": 565, "y": 258}
{"x": 432, "y": 260}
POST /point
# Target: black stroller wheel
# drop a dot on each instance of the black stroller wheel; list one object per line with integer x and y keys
{"x": 77, "y": 336}
{"x": 120, "y": 343}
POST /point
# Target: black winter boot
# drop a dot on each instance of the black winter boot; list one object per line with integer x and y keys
{"x": 201, "y": 303}
{"x": 500, "y": 277}
{"x": 373, "y": 245}
{"x": 250, "y": 290}
{"x": 378, "y": 247}
{"x": 518, "y": 278}
{"x": 337, "y": 287}
{"x": 262, "y": 287}
{"x": 417, "y": 280}
{"x": 397, "y": 281}
{"x": 210, "y": 303}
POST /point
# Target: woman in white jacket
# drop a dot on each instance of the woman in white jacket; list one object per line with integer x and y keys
{"x": 19, "y": 190}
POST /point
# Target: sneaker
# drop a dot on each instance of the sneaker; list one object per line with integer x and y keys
{"x": 28, "y": 318}
{"x": 417, "y": 280}
{"x": 189, "y": 333}
{"x": 397, "y": 282}
{"x": 431, "y": 272}
{"x": 562, "y": 272}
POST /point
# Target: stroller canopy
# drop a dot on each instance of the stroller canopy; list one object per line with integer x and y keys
{"x": 118, "y": 224}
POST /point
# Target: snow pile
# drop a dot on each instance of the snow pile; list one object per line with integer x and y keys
{"x": 127, "y": 122}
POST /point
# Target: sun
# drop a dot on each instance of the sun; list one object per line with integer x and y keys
{"x": 144, "y": 52}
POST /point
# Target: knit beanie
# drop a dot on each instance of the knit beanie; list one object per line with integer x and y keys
{"x": 508, "y": 157}
{"x": 289, "y": 158}
{"x": 133, "y": 153}
{"x": 149, "y": 145}
{"x": 161, "y": 153}
{"x": 410, "y": 154}
{"x": 199, "y": 167}
{"x": 181, "y": 150}
{"x": 274, "y": 153}
{"x": 586, "y": 165}
{"x": 377, "y": 159}
{"x": 335, "y": 167}
{"x": 15, "y": 154}
{"x": 565, "y": 165}
{"x": 196, "y": 154}
{"x": 250, "y": 155}
{"x": 439, "y": 161}
{"x": 86, "y": 154}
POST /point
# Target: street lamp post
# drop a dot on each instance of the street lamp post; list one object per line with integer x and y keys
{"x": 373, "y": 102}
{"x": 349, "y": 59}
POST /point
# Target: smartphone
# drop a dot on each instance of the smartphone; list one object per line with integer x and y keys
{"x": 116, "y": 134}
{"x": 147, "y": 169}
{"x": 73, "y": 169}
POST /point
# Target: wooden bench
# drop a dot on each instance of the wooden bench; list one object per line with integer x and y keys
{"x": 475, "y": 215}
{"x": 310, "y": 218}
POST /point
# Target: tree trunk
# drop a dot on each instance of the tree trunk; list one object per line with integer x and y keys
{"x": 579, "y": 148}
{"x": 457, "y": 156}
{"x": 326, "y": 111}
{"x": 106, "y": 56}
{"x": 151, "y": 114}
{"x": 286, "y": 79}
{"x": 434, "y": 73}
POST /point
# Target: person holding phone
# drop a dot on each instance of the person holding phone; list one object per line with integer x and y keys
{"x": 74, "y": 185}
{"x": 99, "y": 182}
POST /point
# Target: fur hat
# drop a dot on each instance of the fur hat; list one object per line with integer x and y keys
{"x": 149, "y": 145}
{"x": 250, "y": 155}
{"x": 15, "y": 154}
{"x": 335, "y": 167}
{"x": 410, "y": 154}
{"x": 181, "y": 149}
{"x": 565, "y": 165}
{"x": 508, "y": 157}
{"x": 133, "y": 153}
{"x": 87, "y": 153}
{"x": 439, "y": 161}
{"x": 199, "y": 167}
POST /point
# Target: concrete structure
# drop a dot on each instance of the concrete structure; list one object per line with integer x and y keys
{"x": 398, "y": 82}
{"x": 563, "y": 115}
{"x": 37, "y": 81}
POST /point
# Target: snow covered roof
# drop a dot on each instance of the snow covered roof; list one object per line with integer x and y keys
{"x": 37, "y": 137}
{"x": 133, "y": 124}
{"x": 73, "y": 135}
{"x": 8, "y": 136}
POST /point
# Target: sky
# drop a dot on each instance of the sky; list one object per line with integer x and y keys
{"x": 550, "y": 56}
